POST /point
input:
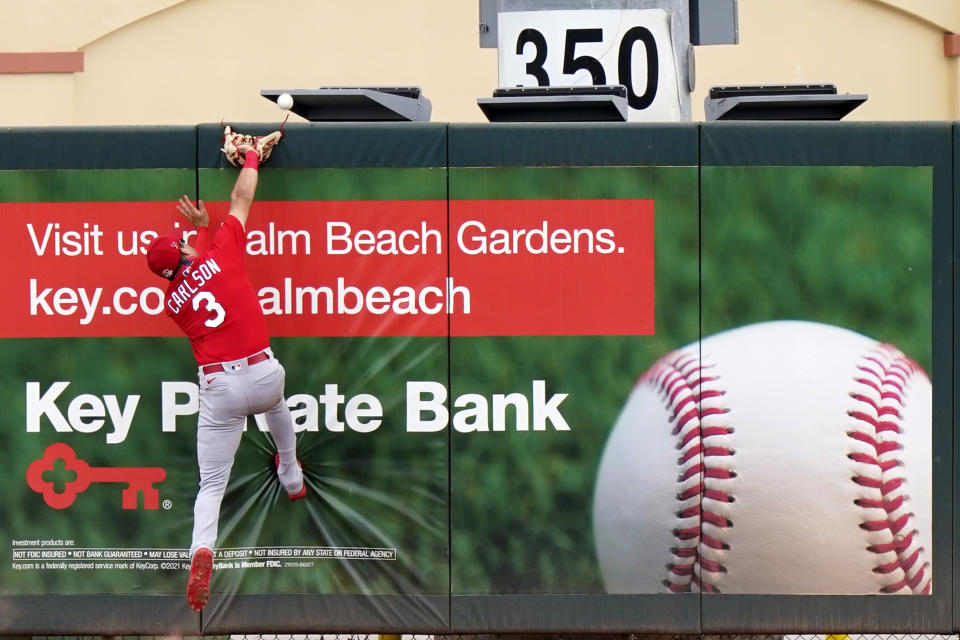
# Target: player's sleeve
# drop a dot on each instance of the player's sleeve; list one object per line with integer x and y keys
{"x": 203, "y": 240}
{"x": 230, "y": 240}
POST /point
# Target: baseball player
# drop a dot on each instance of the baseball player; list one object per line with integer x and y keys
{"x": 212, "y": 301}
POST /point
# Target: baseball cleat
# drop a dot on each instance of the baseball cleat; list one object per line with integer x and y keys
{"x": 198, "y": 587}
{"x": 303, "y": 488}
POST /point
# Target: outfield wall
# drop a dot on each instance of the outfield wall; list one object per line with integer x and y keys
{"x": 546, "y": 378}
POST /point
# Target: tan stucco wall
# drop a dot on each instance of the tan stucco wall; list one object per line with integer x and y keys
{"x": 862, "y": 46}
{"x": 188, "y": 61}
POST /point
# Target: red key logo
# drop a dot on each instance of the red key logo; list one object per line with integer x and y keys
{"x": 137, "y": 479}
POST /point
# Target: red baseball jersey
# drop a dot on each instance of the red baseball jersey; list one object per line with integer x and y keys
{"x": 213, "y": 302}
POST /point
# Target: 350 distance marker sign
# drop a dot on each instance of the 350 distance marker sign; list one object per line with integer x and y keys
{"x": 631, "y": 47}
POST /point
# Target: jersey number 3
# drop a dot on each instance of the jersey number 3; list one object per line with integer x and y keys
{"x": 212, "y": 306}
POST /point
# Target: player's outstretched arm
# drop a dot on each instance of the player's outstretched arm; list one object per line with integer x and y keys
{"x": 245, "y": 187}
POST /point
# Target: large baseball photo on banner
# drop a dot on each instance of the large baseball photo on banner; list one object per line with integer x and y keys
{"x": 804, "y": 413}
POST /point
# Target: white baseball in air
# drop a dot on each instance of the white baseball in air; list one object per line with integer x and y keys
{"x": 285, "y": 101}
{"x": 791, "y": 458}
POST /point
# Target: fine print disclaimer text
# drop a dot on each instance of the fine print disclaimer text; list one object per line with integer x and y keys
{"x": 65, "y": 555}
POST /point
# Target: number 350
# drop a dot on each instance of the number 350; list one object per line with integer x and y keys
{"x": 573, "y": 63}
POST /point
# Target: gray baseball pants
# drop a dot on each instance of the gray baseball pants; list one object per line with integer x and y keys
{"x": 226, "y": 399}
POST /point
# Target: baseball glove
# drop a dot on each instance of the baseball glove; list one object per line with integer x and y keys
{"x": 263, "y": 145}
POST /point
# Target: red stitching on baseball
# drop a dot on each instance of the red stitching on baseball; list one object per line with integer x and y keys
{"x": 896, "y": 546}
{"x": 685, "y": 384}
{"x": 713, "y": 543}
{"x": 885, "y": 374}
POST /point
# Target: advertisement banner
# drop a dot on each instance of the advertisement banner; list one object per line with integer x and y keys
{"x": 531, "y": 413}
{"x": 574, "y": 378}
{"x": 97, "y": 494}
{"x": 815, "y": 334}
{"x": 825, "y": 406}
{"x": 102, "y": 439}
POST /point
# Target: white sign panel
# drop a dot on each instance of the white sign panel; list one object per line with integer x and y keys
{"x": 632, "y": 47}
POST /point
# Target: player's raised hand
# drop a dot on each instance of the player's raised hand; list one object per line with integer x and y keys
{"x": 195, "y": 214}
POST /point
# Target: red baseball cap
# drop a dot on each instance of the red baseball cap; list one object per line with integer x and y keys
{"x": 163, "y": 256}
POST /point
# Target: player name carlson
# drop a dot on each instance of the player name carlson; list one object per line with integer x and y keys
{"x": 193, "y": 278}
